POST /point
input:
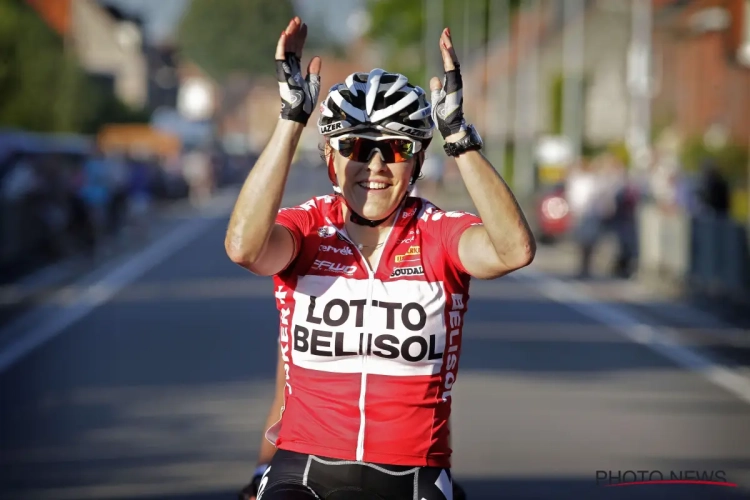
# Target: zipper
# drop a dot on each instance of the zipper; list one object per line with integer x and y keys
{"x": 370, "y": 282}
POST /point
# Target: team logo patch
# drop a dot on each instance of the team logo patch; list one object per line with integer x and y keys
{"x": 326, "y": 231}
{"x": 407, "y": 271}
{"x": 410, "y": 254}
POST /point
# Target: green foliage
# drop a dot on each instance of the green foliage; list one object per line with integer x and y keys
{"x": 556, "y": 102}
{"x": 398, "y": 25}
{"x": 42, "y": 86}
{"x": 732, "y": 159}
{"x": 233, "y": 35}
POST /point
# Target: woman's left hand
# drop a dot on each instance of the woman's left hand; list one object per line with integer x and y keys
{"x": 447, "y": 97}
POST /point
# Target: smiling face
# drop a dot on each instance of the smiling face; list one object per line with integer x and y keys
{"x": 374, "y": 176}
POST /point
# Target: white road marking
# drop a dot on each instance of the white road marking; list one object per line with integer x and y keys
{"x": 96, "y": 294}
{"x": 660, "y": 339}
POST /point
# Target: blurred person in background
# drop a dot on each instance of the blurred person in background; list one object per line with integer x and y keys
{"x": 198, "y": 172}
{"x": 96, "y": 196}
{"x": 139, "y": 197}
{"x": 118, "y": 186}
{"x": 392, "y": 418}
{"x": 713, "y": 192}
{"x": 620, "y": 198}
{"x": 583, "y": 191}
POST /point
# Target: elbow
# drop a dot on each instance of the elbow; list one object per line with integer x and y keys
{"x": 525, "y": 255}
{"x": 521, "y": 257}
{"x": 240, "y": 254}
{"x": 525, "y": 251}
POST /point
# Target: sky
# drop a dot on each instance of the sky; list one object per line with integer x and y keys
{"x": 162, "y": 16}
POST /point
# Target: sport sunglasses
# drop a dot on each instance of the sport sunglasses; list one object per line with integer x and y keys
{"x": 360, "y": 148}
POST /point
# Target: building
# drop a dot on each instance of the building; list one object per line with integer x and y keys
{"x": 107, "y": 42}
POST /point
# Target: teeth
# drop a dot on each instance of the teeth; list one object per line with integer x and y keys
{"x": 373, "y": 185}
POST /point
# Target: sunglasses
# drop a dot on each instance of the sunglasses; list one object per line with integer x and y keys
{"x": 360, "y": 148}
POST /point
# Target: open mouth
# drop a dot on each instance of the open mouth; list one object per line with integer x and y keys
{"x": 373, "y": 186}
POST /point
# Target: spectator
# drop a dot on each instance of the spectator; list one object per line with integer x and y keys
{"x": 96, "y": 195}
{"x": 713, "y": 189}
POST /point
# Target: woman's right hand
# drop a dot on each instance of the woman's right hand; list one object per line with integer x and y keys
{"x": 299, "y": 95}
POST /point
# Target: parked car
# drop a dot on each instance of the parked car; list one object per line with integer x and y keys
{"x": 553, "y": 214}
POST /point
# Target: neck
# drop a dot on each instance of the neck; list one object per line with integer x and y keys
{"x": 364, "y": 235}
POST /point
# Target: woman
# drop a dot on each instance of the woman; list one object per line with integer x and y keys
{"x": 371, "y": 284}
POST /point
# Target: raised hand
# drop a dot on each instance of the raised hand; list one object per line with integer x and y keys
{"x": 299, "y": 95}
{"x": 447, "y": 97}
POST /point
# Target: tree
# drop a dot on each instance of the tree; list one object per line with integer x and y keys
{"x": 43, "y": 88}
{"x": 399, "y": 26}
{"x": 233, "y": 35}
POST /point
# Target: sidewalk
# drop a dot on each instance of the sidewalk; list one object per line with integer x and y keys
{"x": 39, "y": 285}
{"x": 698, "y": 323}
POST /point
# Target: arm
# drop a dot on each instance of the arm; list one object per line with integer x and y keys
{"x": 253, "y": 240}
{"x": 503, "y": 242}
{"x": 267, "y": 450}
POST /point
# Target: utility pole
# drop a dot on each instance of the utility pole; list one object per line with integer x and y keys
{"x": 640, "y": 82}
{"x": 525, "y": 109}
{"x": 573, "y": 67}
{"x": 433, "y": 26}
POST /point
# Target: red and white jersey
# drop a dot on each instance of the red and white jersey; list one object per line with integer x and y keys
{"x": 371, "y": 355}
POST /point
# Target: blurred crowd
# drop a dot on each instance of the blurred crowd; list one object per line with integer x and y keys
{"x": 603, "y": 196}
{"x": 56, "y": 205}
{"x": 599, "y": 196}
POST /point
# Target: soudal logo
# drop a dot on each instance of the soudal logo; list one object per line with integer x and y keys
{"x": 333, "y": 267}
{"x": 409, "y": 255}
{"x": 407, "y": 271}
{"x": 327, "y": 129}
{"x": 340, "y": 251}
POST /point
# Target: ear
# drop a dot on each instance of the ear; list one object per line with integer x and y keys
{"x": 418, "y": 161}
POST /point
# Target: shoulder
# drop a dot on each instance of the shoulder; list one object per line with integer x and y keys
{"x": 428, "y": 213}
{"x": 318, "y": 208}
{"x": 311, "y": 216}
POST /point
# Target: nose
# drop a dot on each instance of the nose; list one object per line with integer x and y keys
{"x": 377, "y": 162}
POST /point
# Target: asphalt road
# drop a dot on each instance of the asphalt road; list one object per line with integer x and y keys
{"x": 155, "y": 380}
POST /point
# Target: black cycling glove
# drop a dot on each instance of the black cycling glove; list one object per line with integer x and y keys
{"x": 251, "y": 490}
{"x": 298, "y": 95}
{"x": 448, "y": 104}
{"x": 458, "y": 491}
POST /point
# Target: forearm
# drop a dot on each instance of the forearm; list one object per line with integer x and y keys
{"x": 267, "y": 450}
{"x": 259, "y": 201}
{"x": 502, "y": 217}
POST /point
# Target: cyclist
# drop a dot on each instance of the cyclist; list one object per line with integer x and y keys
{"x": 371, "y": 284}
{"x": 267, "y": 449}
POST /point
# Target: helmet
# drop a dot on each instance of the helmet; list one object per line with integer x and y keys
{"x": 380, "y": 101}
{"x": 377, "y": 100}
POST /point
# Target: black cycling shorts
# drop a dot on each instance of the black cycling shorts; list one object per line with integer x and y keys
{"x": 296, "y": 476}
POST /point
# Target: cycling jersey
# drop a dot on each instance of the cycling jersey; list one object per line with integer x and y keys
{"x": 371, "y": 356}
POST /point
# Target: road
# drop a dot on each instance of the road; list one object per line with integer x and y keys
{"x": 156, "y": 386}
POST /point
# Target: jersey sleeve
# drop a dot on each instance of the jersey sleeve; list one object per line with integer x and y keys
{"x": 299, "y": 222}
{"x": 447, "y": 228}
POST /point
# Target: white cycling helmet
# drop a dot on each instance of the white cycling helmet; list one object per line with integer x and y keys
{"x": 377, "y": 100}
